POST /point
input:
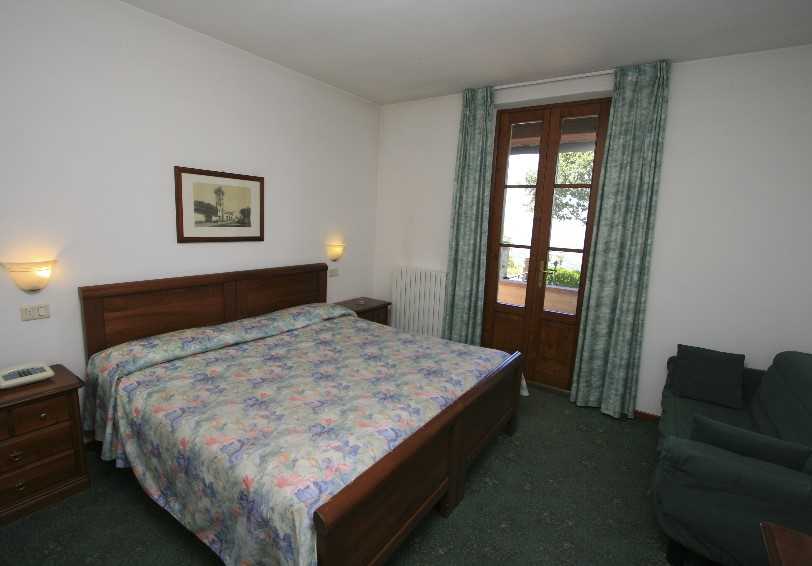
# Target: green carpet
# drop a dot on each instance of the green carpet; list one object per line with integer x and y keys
{"x": 571, "y": 487}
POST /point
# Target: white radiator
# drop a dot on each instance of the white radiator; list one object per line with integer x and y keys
{"x": 418, "y": 298}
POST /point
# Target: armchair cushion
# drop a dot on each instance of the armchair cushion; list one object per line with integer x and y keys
{"x": 752, "y": 444}
{"x": 707, "y": 467}
{"x": 708, "y": 375}
{"x": 712, "y": 500}
{"x": 678, "y": 414}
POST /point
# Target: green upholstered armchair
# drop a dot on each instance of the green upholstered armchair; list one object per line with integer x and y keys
{"x": 723, "y": 470}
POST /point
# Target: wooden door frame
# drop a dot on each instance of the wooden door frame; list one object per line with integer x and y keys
{"x": 505, "y": 119}
{"x": 532, "y": 314}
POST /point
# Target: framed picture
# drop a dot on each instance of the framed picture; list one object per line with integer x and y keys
{"x": 213, "y": 206}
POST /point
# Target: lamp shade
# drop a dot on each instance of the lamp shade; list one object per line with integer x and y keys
{"x": 30, "y": 276}
{"x": 335, "y": 251}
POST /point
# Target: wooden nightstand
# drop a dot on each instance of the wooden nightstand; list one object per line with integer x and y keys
{"x": 42, "y": 456}
{"x": 369, "y": 309}
{"x": 786, "y": 547}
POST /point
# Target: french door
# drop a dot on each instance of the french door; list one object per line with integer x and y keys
{"x": 547, "y": 164}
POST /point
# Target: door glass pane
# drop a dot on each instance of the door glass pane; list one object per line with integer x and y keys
{"x": 517, "y": 216}
{"x": 523, "y": 160}
{"x": 562, "y": 279}
{"x": 513, "y": 265}
{"x": 577, "y": 150}
{"x": 570, "y": 209}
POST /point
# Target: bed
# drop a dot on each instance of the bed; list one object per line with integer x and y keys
{"x": 277, "y": 428}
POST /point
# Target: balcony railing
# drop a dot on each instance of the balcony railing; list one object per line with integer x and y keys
{"x": 556, "y": 299}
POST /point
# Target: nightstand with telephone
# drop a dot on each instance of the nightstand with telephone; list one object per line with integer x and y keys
{"x": 369, "y": 309}
{"x": 42, "y": 456}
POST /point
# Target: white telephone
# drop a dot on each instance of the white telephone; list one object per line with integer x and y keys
{"x": 26, "y": 373}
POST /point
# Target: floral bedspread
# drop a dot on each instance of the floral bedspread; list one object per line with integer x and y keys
{"x": 242, "y": 430}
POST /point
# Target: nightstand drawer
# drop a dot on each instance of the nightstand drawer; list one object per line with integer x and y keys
{"x": 27, "y": 482}
{"x": 39, "y": 414}
{"x": 4, "y": 420}
{"x": 30, "y": 448}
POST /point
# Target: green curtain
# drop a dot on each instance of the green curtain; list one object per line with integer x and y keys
{"x": 607, "y": 362}
{"x": 468, "y": 242}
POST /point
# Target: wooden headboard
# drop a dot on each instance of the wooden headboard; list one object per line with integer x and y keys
{"x": 116, "y": 313}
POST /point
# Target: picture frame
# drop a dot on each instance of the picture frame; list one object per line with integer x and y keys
{"x": 215, "y": 206}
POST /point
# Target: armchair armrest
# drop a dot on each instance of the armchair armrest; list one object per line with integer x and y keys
{"x": 749, "y": 443}
{"x": 717, "y": 469}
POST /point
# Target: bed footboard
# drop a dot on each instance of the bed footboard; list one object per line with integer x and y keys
{"x": 365, "y": 521}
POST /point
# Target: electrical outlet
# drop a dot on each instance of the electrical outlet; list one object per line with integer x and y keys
{"x": 35, "y": 312}
{"x": 332, "y": 272}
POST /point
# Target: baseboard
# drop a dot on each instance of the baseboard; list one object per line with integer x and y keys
{"x": 550, "y": 388}
{"x": 640, "y": 415}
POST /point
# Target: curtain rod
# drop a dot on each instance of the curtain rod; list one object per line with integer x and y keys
{"x": 556, "y": 79}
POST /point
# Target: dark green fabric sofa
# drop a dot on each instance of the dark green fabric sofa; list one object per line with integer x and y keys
{"x": 712, "y": 500}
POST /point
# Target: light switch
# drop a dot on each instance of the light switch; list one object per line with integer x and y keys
{"x": 332, "y": 272}
{"x": 35, "y": 312}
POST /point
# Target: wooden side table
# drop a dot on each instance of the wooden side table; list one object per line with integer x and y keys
{"x": 369, "y": 309}
{"x": 786, "y": 547}
{"x": 42, "y": 455}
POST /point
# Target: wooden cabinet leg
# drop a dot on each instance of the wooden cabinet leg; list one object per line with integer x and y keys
{"x": 453, "y": 496}
{"x": 456, "y": 472}
{"x": 512, "y": 424}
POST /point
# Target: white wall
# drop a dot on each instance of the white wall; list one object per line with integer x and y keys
{"x": 416, "y": 156}
{"x": 731, "y": 265}
{"x": 100, "y": 100}
{"x": 731, "y": 260}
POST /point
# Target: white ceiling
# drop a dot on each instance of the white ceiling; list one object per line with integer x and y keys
{"x": 394, "y": 50}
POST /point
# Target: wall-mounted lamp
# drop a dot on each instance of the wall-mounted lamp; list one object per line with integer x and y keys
{"x": 31, "y": 276}
{"x": 335, "y": 251}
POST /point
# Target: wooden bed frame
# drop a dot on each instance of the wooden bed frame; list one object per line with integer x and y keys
{"x": 365, "y": 521}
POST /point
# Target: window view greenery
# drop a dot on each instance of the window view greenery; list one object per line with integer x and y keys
{"x": 574, "y": 167}
{"x": 563, "y": 217}
{"x": 561, "y": 276}
{"x": 569, "y": 215}
{"x": 515, "y": 270}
